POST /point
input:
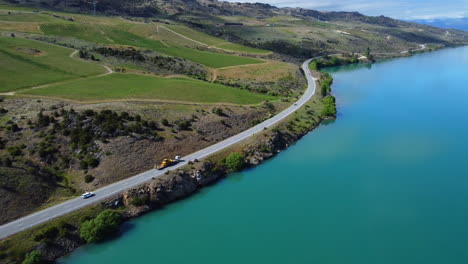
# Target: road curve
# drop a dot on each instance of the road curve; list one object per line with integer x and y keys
{"x": 118, "y": 187}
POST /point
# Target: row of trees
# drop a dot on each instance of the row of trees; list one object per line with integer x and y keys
{"x": 156, "y": 62}
{"x": 331, "y": 61}
{"x": 326, "y": 81}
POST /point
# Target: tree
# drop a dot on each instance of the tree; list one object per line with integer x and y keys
{"x": 34, "y": 257}
{"x": 329, "y": 109}
{"x": 235, "y": 162}
{"x": 368, "y": 54}
{"x": 105, "y": 224}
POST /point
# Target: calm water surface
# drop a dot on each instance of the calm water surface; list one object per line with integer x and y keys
{"x": 386, "y": 183}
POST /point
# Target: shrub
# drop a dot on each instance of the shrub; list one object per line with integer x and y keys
{"x": 45, "y": 234}
{"x": 7, "y": 162}
{"x": 329, "y": 108}
{"x": 92, "y": 162}
{"x": 88, "y": 178}
{"x": 184, "y": 125}
{"x": 164, "y": 122}
{"x": 139, "y": 201}
{"x": 34, "y": 257}
{"x": 235, "y": 162}
{"x": 83, "y": 165}
{"x": 42, "y": 120}
{"x": 89, "y": 162}
{"x": 15, "y": 151}
{"x": 85, "y": 218}
{"x": 104, "y": 225}
{"x": 218, "y": 111}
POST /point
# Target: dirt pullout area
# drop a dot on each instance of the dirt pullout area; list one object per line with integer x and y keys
{"x": 63, "y": 151}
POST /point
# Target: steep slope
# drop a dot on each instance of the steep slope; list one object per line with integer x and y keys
{"x": 293, "y": 31}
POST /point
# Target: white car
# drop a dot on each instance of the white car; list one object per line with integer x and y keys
{"x": 87, "y": 195}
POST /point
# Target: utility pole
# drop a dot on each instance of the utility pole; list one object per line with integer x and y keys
{"x": 94, "y": 7}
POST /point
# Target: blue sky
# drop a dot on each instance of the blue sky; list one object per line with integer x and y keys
{"x": 401, "y": 9}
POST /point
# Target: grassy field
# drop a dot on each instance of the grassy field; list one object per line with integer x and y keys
{"x": 26, "y": 17}
{"x": 210, "y": 59}
{"x": 242, "y": 49}
{"x": 132, "y": 86}
{"x": 119, "y": 35}
{"x": 215, "y": 42}
{"x": 269, "y": 71}
{"x": 26, "y": 63}
{"x": 115, "y": 31}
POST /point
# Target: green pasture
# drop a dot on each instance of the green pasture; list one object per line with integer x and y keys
{"x": 25, "y": 63}
{"x": 133, "y": 86}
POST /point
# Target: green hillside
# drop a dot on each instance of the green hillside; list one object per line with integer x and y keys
{"x": 104, "y": 34}
{"x": 25, "y": 63}
{"x": 133, "y": 86}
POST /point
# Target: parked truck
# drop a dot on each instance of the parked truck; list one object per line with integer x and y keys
{"x": 168, "y": 162}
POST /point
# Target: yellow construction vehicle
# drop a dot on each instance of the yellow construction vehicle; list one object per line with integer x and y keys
{"x": 168, "y": 162}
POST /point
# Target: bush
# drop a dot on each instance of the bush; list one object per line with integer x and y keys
{"x": 85, "y": 218}
{"x": 7, "y": 162}
{"x": 47, "y": 233}
{"x": 329, "y": 109}
{"x": 326, "y": 82}
{"x": 42, "y": 120}
{"x": 184, "y": 125}
{"x": 15, "y": 151}
{"x": 104, "y": 225}
{"x": 89, "y": 162}
{"x": 34, "y": 257}
{"x": 164, "y": 122}
{"x": 218, "y": 111}
{"x": 235, "y": 162}
{"x": 139, "y": 201}
{"x": 88, "y": 178}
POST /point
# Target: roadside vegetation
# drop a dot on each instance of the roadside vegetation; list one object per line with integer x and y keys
{"x": 235, "y": 162}
{"x": 212, "y": 89}
{"x": 332, "y": 61}
{"x": 105, "y": 224}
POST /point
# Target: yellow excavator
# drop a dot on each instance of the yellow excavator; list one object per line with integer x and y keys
{"x": 168, "y": 162}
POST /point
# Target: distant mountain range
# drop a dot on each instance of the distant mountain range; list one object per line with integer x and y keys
{"x": 455, "y": 23}
{"x": 297, "y": 32}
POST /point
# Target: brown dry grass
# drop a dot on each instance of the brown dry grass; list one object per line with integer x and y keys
{"x": 29, "y": 27}
{"x": 264, "y": 72}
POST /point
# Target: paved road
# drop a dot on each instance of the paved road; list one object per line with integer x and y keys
{"x": 118, "y": 187}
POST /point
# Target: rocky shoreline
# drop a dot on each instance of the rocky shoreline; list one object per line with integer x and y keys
{"x": 177, "y": 185}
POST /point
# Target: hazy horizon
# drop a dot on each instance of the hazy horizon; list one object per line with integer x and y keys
{"x": 400, "y": 9}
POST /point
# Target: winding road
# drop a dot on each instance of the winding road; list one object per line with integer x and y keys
{"x": 118, "y": 187}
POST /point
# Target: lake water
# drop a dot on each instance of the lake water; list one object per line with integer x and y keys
{"x": 387, "y": 182}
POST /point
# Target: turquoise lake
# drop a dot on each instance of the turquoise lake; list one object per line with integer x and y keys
{"x": 387, "y": 182}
